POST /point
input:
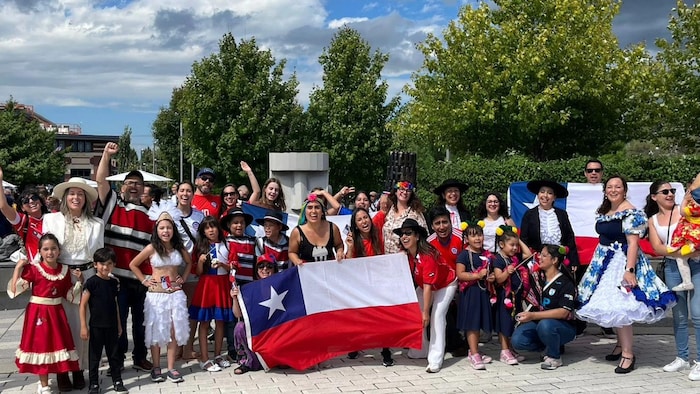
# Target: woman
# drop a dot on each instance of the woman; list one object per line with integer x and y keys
{"x": 546, "y": 224}
{"x": 405, "y": 205}
{"x": 362, "y": 200}
{"x": 550, "y": 326}
{"x": 271, "y": 196}
{"x": 436, "y": 284}
{"x": 493, "y": 210}
{"x": 315, "y": 238}
{"x": 28, "y": 223}
{"x": 664, "y": 213}
{"x": 229, "y": 199}
{"x": 450, "y": 196}
{"x": 80, "y": 235}
{"x": 620, "y": 287}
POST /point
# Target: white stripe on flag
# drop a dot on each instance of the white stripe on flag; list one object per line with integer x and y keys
{"x": 331, "y": 282}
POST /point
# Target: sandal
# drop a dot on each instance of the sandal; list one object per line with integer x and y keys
{"x": 175, "y": 376}
{"x": 222, "y": 362}
{"x": 241, "y": 370}
{"x": 614, "y": 356}
{"x": 210, "y": 366}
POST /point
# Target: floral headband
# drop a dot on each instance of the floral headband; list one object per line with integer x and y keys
{"x": 503, "y": 228}
{"x": 405, "y": 185}
{"x": 310, "y": 198}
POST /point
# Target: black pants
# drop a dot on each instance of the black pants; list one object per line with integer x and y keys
{"x": 132, "y": 294}
{"x": 104, "y": 338}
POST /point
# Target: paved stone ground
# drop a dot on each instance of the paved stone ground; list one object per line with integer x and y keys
{"x": 584, "y": 370}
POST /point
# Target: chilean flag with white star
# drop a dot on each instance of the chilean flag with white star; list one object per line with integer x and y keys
{"x": 581, "y": 205}
{"x": 317, "y": 311}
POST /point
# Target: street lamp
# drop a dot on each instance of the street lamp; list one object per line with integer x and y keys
{"x": 180, "y": 150}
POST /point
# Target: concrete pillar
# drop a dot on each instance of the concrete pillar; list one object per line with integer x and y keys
{"x": 299, "y": 172}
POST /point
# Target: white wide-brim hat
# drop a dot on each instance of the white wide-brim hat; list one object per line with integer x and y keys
{"x": 78, "y": 182}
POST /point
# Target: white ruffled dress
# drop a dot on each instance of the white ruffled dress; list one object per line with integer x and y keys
{"x": 163, "y": 311}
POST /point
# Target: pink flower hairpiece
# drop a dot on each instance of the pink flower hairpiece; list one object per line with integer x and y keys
{"x": 405, "y": 185}
{"x": 311, "y": 197}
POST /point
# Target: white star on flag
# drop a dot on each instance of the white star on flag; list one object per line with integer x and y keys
{"x": 275, "y": 301}
{"x": 534, "y": 203}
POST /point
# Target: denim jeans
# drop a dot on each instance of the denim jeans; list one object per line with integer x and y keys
{"x": 547, "y": 334}
{"x": 687, "y": 301}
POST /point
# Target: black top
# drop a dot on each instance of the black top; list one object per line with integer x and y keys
{"x": 561, "y": 293}
{"x": 530, "y": 232}
{"x": 310, "y": 252}
{"x": 103, "y": 301}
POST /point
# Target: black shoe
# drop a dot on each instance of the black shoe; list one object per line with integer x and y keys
{"x": 78, "y": 380}
{"x": 119, "y": 387}
{"x": 63, "y": 381}
{"x": 143, "y": 365}
{"x": 388, "y": 362}
{"x": 614, "y": 356}
{"x": 620, "y": 369}
{"x": 353, "y": 355}
{"x": 94, "y": 389}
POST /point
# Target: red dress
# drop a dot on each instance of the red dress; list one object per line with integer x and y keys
{"x": 47, "y": 344}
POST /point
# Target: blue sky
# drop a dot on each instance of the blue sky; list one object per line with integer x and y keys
{"x": 106, "y": 64}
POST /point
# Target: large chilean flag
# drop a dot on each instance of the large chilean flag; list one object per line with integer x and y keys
{"x": 581, "y": 204}
{"x": 308, "y": 314}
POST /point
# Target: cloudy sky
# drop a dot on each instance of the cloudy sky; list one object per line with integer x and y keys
{"x": 105, "y": 64}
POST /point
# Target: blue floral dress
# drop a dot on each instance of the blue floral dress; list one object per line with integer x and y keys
{"x": 602, "y": 300}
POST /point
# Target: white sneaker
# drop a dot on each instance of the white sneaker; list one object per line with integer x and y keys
{"x": 551, "y": 363}
{"x": 676, "y": 365}
{"x": 695, "y": 371}
{"x": 683, "y": 287}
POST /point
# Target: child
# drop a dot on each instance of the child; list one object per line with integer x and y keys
{"x": 100, "y": 295}
{"x": 165, "y": 308}
{"x": 511, "y": 281}
{"x": 474, "y": 270}
{"x": 265, "y": 267}
{"x": 211, "y": 297}
{"x": 686, "y": 236}
{"x": 275, "y": 241}
{"x": 47, "y": 344}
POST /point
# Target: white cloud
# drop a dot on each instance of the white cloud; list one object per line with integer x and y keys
{"x": 336, "y": 23}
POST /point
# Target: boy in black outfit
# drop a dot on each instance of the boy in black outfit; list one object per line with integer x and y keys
{"x": 100, "y": 295}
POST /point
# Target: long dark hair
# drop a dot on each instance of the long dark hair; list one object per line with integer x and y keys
{"x": 556, "y": 253}
{"x": 48, "y": 237}
{"x": 222, "y": 207}
{"x": 33, "y": 193}
{"x": 652, "y": 207}
{"x": 607, "y": 205}
{"x": 413, "y": 202}
{"x": 358, "y": 248}
{"x": 175, "y": 241}
{"x": 482, "y": 212}
{"x": 202, "y": 244}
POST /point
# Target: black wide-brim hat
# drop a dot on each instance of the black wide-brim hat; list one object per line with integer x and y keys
{"x": 233, "y": 212}
{"x": 275, "y": 216}
{"x": 559, "y": 190}
{"x": 450, "y": 183}
{"x": 413, "y": 225}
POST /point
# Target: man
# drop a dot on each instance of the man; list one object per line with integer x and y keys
{"x": 203, "y": 199}
{"x": 593, "y": 171}
{"x": 243, "y": 193}
{"x": 373, "y": 202}
{"x": 448, "y": 242}
{"x": 147, "y": 196}
{"x": 127, "y": 231}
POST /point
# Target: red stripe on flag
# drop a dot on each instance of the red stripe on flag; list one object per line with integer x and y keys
{"x": 586, "y": 247}
{"x": 305, "y": 342}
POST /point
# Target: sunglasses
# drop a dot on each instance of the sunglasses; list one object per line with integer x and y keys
{"x": 31, "y": 199}
{"x": 666, "y": 192}
{"x": 269, "y": 266}
{"x": 590, "y": 170}
{"x": 407, "y": 233}
{"x": 206, "y": 178}
{"x": 230, "y": 194}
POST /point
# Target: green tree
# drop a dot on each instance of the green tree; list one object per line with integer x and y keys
{"x": 236, "y": 106}
{"x": 542, "y": 77}
{"x": 166, "y": 135}
{"x": 347, "y": 116}
{"x": 28, "y": 153}
{"x": 126, "y": 158}
{"x": 681, "y": 98}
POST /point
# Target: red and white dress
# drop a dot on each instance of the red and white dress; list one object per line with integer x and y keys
{"x": 47, "y": 344}
{"x": 211, "y": 300}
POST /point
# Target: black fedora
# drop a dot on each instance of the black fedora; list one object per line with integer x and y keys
{"x": 413, "y": 225}
{"x": 233, "y": 212}
{"x": 450, "y": 183}
{"x": 559, "y": 190}
{"x": 275, "y": 216}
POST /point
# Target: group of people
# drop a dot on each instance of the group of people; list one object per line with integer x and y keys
{"x": 177, "y": 264}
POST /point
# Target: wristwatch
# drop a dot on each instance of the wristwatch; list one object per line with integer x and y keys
{"x": 630, "y": 270}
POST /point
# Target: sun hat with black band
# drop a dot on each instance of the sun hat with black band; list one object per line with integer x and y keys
{"x": 448, "y": 183}
{"x": 233, "y": 212}
{"x": 413, "y": 225}
{"x": 559, "y": 190}
{"x": 76, "y": 182}
{"x": 275, "y": 216}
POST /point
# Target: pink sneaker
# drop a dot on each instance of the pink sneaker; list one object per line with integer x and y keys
{"x": 517, "y": 356}
{"x": 508, "y": 358}
{"x": 484, "y": 358}
{"x": 476, "y": 362}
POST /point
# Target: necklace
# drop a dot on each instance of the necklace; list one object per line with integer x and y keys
{"x": 473, "y": 269}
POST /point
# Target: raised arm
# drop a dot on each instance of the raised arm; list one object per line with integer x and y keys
{"x": 7, "y": 210}
{"x": 103, "y": 171}
{"x": 256, "y": 193}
